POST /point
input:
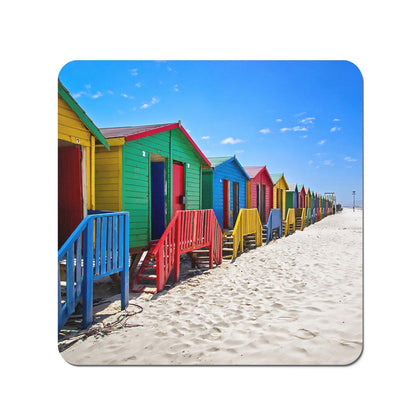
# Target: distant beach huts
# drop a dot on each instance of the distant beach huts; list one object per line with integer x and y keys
{"x": 224, "y": 189}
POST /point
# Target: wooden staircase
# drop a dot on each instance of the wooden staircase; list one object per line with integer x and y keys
{"x": 200, "y": 258}
{"x": 145, "y": 279}
{"x": 264, "y": 234}
{"x": 227, "y": 244}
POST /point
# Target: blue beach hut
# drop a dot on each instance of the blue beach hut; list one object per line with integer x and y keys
{"x": 224, "y": 189}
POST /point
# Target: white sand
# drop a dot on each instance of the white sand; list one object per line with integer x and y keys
{"x": 297, "y": 300}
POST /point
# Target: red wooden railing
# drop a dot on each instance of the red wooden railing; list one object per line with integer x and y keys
{"x": 187, "y": 231}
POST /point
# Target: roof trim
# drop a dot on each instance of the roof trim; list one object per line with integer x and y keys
{"x": 66, "y": 96}
{"x": 165, "y": 128}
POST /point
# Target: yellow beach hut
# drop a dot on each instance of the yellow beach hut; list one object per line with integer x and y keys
{"x": 279, "y": 192}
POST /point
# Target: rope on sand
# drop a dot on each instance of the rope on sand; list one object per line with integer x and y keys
{"x": 67, "y": 337}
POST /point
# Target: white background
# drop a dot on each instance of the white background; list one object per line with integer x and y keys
{"x": 38, "y": 38}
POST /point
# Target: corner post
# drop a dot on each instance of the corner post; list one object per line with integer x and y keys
{"x": 125, "y": 272}
{"x": 87, "y": 281}
{"x": 177, "y": 252}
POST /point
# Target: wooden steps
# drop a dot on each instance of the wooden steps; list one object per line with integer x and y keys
{"x": 227, "y": 244}
{"x": 145, "y": 279}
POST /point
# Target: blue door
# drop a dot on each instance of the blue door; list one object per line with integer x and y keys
{"x": 157, "y": 180}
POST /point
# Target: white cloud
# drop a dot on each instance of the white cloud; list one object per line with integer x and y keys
{"x": 279, "y": 120}
{"x": 328, "y": 163}
{"x": 308, "y": 120}
{"x": 126, "y": 96}
{"x": 175, "y": 88}
{"x": 349, "y": 159}
{"x": 110, "y": 92}
{"x": 264, "y": 131}
{"x": 154, "y": 100}
{"x": 320, "y": 143}
{"x": 78, "y": 94}
{"x": 336, "y": 119}
{"x": 230, "y": 140}
{"x": 134, "y": 72}
{"x": 296, "y": 128}
{"x": 138, "y": 84}
{"x": 205, "y": 137}
{"x": 304, "y": 137}
{"x": 97, "y": 95}
{"x": 335, "y": 129}
{"x": 310, "y": 162}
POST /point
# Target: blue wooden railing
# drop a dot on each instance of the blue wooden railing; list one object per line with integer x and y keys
{"x": 274, "y": 221}
{"x": 313, "y": 215}
{"x": 98, "y": 247}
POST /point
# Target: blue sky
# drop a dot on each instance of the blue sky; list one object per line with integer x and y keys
{"x": 303, "y": 118}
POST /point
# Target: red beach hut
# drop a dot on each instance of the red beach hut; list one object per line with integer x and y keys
{"x": 301, "y": 196}
{"x": 260, "y": 190}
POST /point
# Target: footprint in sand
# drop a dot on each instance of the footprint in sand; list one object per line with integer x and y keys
{"x": 305, "y": 334}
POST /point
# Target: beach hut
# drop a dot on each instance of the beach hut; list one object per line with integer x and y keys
{"x": 78, "y": 138}
{"x": 312, "y": 202}
{"x": 151, "y": 172}
{"x": 307, "y": 197}
{"x": 279, "y": 192}
{"x": 292, "y": 197}
{"x": 260, "y": 190}
{"x": 224, "y": 189}
{"x": 301, "y": 196}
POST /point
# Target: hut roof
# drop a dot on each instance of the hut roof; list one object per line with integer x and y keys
{"x": 276, "y": 177}
{"x": 216, "y": 161}
{"x": 253, "y": 171}
{"x": 292, "y": 187}
{"x": 138, "y": 132}
{"x": 66, "y": 96}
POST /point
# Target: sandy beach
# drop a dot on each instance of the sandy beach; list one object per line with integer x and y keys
{"x": 294, "y": 301}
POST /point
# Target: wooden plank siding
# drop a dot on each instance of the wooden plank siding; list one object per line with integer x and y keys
{"x": 108, "y": 173}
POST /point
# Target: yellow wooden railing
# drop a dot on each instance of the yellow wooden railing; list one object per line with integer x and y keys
{"x": 248, "y": 222}
{"x": 290, "y": 220}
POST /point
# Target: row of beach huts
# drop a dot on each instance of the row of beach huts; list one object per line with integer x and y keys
{"x": 133, "y": 200}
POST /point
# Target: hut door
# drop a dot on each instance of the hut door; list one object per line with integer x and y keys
{"x": 226, "y": 204}
{"x": 263, "y": 203}
{"x": 69, "y": 191}
{"x": 157, "y": 180}
{"x": 258, "y": 198}
{"x": 236, "y": 202}
{"x": 177, "y": 188}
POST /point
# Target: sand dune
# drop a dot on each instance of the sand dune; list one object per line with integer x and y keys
{"x": 297, "y": 300}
